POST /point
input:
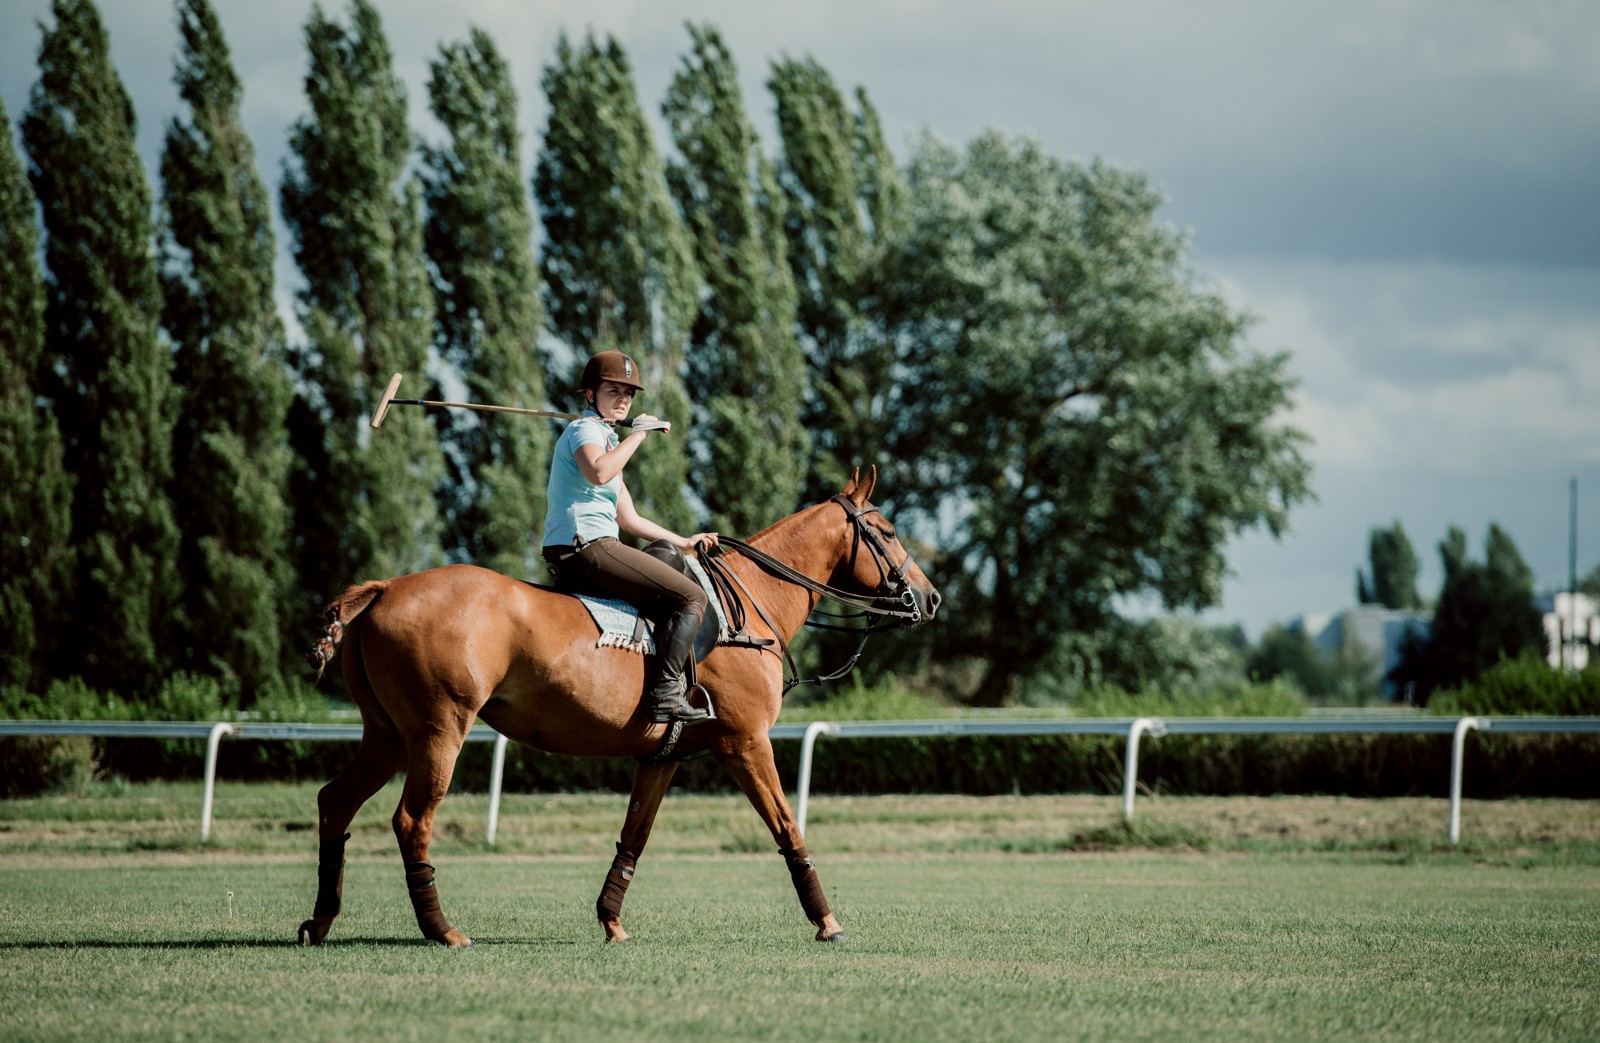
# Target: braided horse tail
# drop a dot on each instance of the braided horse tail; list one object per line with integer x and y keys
{"x": 341, "y": 613}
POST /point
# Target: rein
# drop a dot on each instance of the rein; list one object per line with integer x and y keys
{"x": 898, "y": 606}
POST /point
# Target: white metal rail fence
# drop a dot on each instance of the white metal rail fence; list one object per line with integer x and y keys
{"x": 1132, "y": 729}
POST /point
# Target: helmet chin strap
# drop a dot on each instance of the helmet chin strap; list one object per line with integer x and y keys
{"x": 592, "y": 396}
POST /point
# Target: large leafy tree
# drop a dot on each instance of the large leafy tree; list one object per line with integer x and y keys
{"x": 1083, "y": 419}
{"x": 747, "y": 372}
{"x": 846, "y": 203}
{"x": 617, "y": 263}
{"x": 364, "y": 500}
{"x": 230, "y": 446}
{"x": 106, "y": 372}
{"x": 35, "y": 512}
{"x": 1392, "y": 580}
{"x": 479, "y": 240}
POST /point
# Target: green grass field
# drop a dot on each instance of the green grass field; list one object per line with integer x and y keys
{"x": 968, "y": 919}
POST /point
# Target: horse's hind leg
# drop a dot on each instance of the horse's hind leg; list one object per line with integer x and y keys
{"x": 379, "y": 756}
{"x": 750, "y": 762}
{"x": 650, "y": 782}
{"x": 428, "y": 771}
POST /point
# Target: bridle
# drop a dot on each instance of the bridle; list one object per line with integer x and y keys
{"x": 895, "y": 605}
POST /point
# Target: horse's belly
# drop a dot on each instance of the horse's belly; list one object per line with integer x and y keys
{"x": 568, "y": 727}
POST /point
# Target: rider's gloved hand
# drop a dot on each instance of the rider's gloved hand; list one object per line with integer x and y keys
{"x": 646, "y": 422}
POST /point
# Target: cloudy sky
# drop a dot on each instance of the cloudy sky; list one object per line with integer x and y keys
{"x": 1405, "y": 193}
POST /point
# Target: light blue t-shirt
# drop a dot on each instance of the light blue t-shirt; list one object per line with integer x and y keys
{"x": 578, "y": 507}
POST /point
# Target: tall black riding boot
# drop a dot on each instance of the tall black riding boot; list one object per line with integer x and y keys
{"x": 669, "y": 698}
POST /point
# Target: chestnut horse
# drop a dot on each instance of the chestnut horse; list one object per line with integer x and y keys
{"x": 427, "y": 654}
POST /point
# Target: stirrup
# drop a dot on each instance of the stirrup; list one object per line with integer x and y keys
{"x": 710, "y": 707}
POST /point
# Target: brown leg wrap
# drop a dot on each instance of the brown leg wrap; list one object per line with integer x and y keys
{"x": 609, "y": 905}
{"x": 330, "y": 876}
{"x": 425, "y": 901}
{"x": 806, "y": 884}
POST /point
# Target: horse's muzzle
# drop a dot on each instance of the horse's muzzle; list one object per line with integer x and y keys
{"x": 927, "y": 604}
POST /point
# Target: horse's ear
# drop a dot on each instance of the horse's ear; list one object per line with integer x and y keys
{"x": 850, "y": 486}
{"x": 860, "y": 491}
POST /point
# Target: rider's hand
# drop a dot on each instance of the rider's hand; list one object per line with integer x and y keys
{"x": 703, "y": 541}
{"x": 645, "y": 422}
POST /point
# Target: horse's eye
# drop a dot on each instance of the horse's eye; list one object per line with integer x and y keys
{"x": 889, "y": 535}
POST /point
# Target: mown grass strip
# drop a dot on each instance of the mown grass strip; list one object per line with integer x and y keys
{"x": 942, "y": 947}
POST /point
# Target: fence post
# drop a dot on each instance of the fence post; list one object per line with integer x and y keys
{"x": 1458, "y": 748}
{"x": 213, "y": 740}
{"x": 808, "y": 744}
{"x": 1130, "y": 775}
{"x": 497, "y": 774}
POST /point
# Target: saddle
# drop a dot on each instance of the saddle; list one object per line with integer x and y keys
{"x": 622, "y": 626}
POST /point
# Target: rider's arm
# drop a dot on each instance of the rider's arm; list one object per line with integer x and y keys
{"x": 632, "y": 522}
{"x": 599, "y": 464}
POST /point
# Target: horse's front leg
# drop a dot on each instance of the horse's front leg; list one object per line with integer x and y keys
{"x": 749, "y": 760}
{"x": 650, "y": 782}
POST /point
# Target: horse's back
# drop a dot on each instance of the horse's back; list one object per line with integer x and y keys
{"x": 472, "y": 632}
{"x": 458, "y": 626}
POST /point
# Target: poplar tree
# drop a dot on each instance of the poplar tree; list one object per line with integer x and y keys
{"x": 1392, "y": 581}
{"x": 1485, "y": 612}
{"x": 35, "y": 512}
{"x": 616, "y": 261}
{"x": 106, "y": 371}
{"x": 363, "y": 500}
{"x": 846, "y": 204}
{"x": 230, "y": 446}
{"x": 747, "y": 371}
{"x": 479, "y": 241}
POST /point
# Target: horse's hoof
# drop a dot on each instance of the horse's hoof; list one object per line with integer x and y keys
{"x": 309, "y": 935}
{"x": 626, "y": 939}
{"x": 840, "y": 937}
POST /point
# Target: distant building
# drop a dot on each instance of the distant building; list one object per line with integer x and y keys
{"x": 1372, "y": 632}
{"x": 1571, "y": 628}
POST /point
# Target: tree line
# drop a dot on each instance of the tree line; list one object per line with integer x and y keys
{"x": 1063, "y": 414}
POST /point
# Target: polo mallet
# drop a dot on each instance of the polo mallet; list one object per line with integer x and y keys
{"x": 388, "y": 400}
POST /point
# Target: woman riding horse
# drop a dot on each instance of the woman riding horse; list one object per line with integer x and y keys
{"x": 589, "y": 503}
{"x": 427, "y": 655}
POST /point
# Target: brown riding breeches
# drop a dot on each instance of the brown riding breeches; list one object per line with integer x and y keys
{"x": 608, "y": 567}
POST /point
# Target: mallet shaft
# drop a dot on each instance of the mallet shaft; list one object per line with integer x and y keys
{"x": 493, "y": 409}
{"x": 388, "y": 400}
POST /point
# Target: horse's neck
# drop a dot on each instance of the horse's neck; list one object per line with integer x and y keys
{"x": 805, "y": 543}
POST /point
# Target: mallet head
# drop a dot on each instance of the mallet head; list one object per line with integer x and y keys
{"x": 383, "y": 403}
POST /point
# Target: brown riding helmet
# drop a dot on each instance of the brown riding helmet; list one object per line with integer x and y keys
{"x": 613, "y": 366}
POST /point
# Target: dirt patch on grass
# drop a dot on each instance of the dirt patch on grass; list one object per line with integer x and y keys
{"x": 1317, "y": 820}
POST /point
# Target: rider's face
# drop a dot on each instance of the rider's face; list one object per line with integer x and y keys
{"x": 613, "y": 400}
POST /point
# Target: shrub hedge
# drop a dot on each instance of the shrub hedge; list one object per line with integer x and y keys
{"x": 1497, "y": 765}
{"x": 1526, "y": 685}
